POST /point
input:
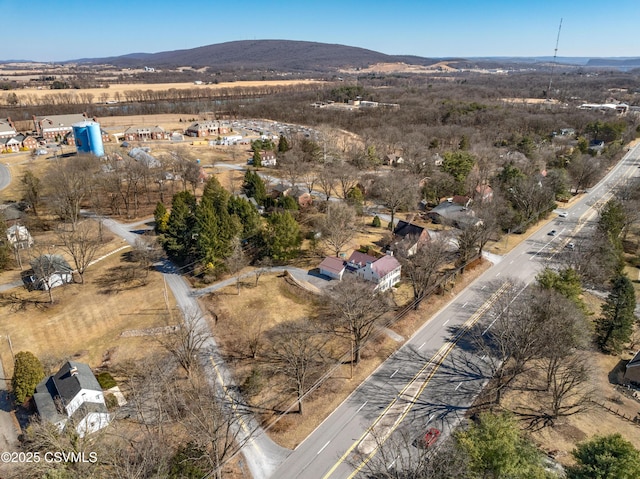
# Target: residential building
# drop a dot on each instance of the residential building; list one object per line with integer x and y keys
{"x": 632, "y": 371}
{"x": 19, "y": 237}
{"x": 409, "y": 237}
{"x": 144, "y": 133}
{"x": 9, "y": 145}
{"x": 50, "y": 271}
{"x": 268, "y": 158}
{"x": 7, "y": 130}
{"x": 384, "y": 272}
{"x": 207, "y": 128}
{"x": 58, "y": 127}
{"x": 73, "y": 397}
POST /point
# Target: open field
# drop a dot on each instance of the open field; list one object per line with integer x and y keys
{"x": 117, "y": 92}
{"x": 86, "y": 321}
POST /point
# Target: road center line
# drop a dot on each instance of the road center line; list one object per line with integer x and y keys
{"x": 445, "y": 323}
{"x": 322, "y": 448}
{"x": 360, "y": 408}
{"x": 394, "y": 373}
{"x": 465, "y": 304}
{"x": 421, "y": 346}
{"x": 459, "y": 384}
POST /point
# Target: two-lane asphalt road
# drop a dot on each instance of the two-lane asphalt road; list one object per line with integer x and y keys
{"x": 434, "y": 378}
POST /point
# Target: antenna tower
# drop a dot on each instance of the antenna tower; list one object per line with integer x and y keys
{"x": 553, "y": 64}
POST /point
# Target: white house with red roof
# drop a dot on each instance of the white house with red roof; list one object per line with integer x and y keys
{"x": 384, "y": 271}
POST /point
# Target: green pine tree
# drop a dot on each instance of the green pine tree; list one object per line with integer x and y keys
{"x": 614, "y": 327}
{"x": 178, "y": 238}
{"x": 282, "y": 236}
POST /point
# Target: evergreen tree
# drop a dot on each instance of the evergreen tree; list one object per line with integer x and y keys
{"x": 605, "y": 457}
{"x": 161, "y": 217}
{"x": 247, "y": 215}
{"x": 215, "y": 227}
{"x": 27, "y": 373}
{"x": 257, "y": 159}
{"x": 614, "y": 327}
{"x": 254, "y": 187}
{"x": 282, "y": 236}
{"x": 566, "y": 282}
{"x": 283, "y": 144}
{"x": 496, "y": 449}
{"x": 5, "y": 247}
{"x": 178, "y": 238}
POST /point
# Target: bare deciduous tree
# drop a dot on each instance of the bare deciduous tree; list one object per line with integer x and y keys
{"x": 297, "y": 353}
{"x": 354, "y": 309}
{"x": 186, "y": 340}
{"x": 82, "y": 245}
{"x": 422, "y": 268}
{"x": 338, "y": 226}
{"x": 396, "y": 191}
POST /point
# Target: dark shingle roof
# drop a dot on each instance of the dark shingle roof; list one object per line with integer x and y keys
{"x": 69, "y": 385}
{"x": 405, "y": 229}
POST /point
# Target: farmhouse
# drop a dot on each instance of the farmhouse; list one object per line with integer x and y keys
{"x": 384, "y": 272}
{"x": 72, "y": 396}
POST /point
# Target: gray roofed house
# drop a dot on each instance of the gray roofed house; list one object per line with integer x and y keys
{"x": 50, "y": 271}
{"x": 73, "y": 393}
{"x": 7, "y": 130}
{"x": 144, "y": 158}
{"x": 632, "y": 370}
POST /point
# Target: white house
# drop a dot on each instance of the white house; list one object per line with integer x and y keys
{"x": 19, "y": 237}
{"x": 72, "y": 396}
{"x": 384, "y": 272}
{"x": 50, "y": 271}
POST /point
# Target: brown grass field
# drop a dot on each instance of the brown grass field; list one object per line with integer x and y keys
{"x": 109, "y": 94}
{"x": 86, "y": 320}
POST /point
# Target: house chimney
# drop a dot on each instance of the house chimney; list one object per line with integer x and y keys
{"x": 73, "y": 371}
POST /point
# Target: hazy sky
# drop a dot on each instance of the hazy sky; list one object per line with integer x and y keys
{"x": 53, "y": 30}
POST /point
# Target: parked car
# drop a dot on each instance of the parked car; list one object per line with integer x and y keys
{"x": 428, "y": 440}
{"x": 552, "y": 233}
{"x": 564, "y": 214}
{"x": 571, "y": 245}
{"x": 41, "y": 151}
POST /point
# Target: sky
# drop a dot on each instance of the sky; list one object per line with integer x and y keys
{"x": 54, "y": 30}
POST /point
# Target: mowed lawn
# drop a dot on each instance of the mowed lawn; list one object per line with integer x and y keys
{"x": 85, "y": 322}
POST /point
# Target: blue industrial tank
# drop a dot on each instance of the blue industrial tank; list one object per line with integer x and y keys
{"x": 88, "y": 137}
